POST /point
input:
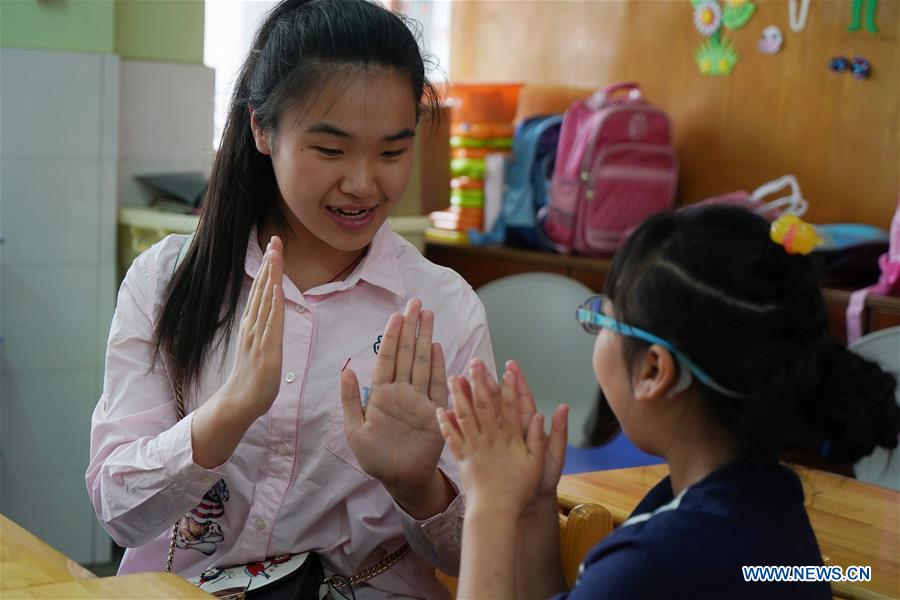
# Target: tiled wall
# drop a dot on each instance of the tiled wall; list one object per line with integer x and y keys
{"x": 76, "y": 128}
{"x": 58, "y": 165}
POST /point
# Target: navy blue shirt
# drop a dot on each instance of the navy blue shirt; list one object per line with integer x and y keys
{"x": 747, "y": 512}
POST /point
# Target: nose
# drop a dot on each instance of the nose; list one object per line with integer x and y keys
{"x": 359, "y": 180}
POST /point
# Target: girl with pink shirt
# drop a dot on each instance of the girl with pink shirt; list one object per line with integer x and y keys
{"x": 309, "y": 425}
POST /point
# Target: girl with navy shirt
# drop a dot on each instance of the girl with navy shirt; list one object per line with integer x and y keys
{"x": 712, "y": 352}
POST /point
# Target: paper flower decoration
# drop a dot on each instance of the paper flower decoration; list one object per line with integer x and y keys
{"x": 716, "y": 56}
{"x": 707, "y": 17}
{"x": 737, "y": 13}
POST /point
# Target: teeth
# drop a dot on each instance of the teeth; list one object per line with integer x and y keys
{"x": 350, "y": 214}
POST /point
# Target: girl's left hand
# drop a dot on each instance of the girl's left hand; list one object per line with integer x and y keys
{"x": 396, "y": 438}
{"x": 500, "y": 466}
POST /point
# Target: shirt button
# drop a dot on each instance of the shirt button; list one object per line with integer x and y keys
{"x": 290, "y": 377}
{"x": 301, "y": 308}
{"x": 286, "y": 450}
{"x": 206, "y": 481}
{"x": 260, "y": 524}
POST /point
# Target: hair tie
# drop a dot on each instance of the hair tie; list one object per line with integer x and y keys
{"x": 794, "y": 234}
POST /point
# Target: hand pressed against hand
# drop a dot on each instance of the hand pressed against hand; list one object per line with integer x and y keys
{"x": 256, "y": 376}
{"x": 396, "y": 438}
{"x": 498, "y": 463}
{"x": 555, "y": 444}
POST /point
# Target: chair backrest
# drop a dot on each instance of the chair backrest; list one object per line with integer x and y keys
{"x": 532, "y": 320}
{"x": 882, "y": 347}
{"x": 579, "y": 531}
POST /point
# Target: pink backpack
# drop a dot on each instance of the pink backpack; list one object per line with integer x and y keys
{"x": 615, "y": 167}
{"x": 888, "y": 284}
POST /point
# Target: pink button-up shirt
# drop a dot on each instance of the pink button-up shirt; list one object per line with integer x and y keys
{"x": 292, "y": 484}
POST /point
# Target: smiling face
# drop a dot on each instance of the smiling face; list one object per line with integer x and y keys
{"x": 342, "y": 160}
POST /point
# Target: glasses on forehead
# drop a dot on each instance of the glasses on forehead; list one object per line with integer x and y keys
{"x": 590, "y": 315}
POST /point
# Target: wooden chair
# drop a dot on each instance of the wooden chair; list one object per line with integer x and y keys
{"x": 580, "y": 530}
{"x": 581, "y": 527}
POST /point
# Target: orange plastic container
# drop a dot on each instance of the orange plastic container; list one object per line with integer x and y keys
{"x": 466, "y": 183}
{"x": 477, "y": 152}
{"x": 457, "y": 218}
{"x": 483, "y": 102}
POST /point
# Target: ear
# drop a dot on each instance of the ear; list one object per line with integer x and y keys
{"x": 657, "y": 374}
{"x": 260, "y": 136}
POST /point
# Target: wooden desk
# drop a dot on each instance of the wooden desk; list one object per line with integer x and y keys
{"x": 140, "y": 586}
{"x": 26, "y": 561}
{"x": 482, "y": 264}
{"x": 855, "y": 523}
{"x": 29, "y": 568}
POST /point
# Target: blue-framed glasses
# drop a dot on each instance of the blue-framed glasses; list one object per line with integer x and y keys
{"x": 590, "y": 315}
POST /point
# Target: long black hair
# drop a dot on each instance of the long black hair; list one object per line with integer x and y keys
{"x": 710, "y": 281}
{"x": 301, "y": 46}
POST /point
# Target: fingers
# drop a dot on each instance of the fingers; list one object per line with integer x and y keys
{"x": 407, "y": 343}
{"x": 534, "y": 439}
{"x": 437, "y": 390}
{"x": 351, "y": 403}
{"x": 462, "y": 409}
{"x": 274, "y": 331}
{"x": 483, "y": 398}
{"x": 450, "y": 432}
{"x": 387, "y": 352}
{"x": 491, "y": 379}
{"x": 466, "y": 386}
{"x": 509, "y": 407}
{"x": 559, "y": 434}
{"x": 555, "y": 457}
{"x": 265, "y": 296}
{"x": 421, "y": 367}
{"x": 526, "y": 399}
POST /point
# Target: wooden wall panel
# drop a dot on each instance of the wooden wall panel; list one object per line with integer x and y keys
{"x": 775, "y": 114}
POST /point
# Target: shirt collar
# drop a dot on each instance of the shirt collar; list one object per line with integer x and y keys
{"x": 379, "y": 267}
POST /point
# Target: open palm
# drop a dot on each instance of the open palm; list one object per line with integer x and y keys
{"x": 396, "y": 438}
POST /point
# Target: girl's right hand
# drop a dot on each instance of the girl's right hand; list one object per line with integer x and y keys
{"x": 256, "y": 378}
{"x": 555, "y": 443}
{"x": 500, "y": 465}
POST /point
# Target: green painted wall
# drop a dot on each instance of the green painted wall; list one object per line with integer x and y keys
{"x": 75, "y": 25}
{"x": 166, "y": 30}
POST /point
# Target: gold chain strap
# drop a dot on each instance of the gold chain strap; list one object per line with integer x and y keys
{"x": 374, "y": 571}
{"x": 179, "y": 409}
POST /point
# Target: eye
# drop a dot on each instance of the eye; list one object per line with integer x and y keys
{"x": 329, "y": 152}
{"x": 392, "y": 153}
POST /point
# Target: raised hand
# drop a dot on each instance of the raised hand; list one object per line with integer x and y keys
{"x": 555, "y": 444}
{"x": 256, "y": 377}
{"x": 396, "y": 438}
{"x": 499, "y": 465}
{"x": 220, "y": 423}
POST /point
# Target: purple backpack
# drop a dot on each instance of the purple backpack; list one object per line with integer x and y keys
{"x": 615, "y": 167}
